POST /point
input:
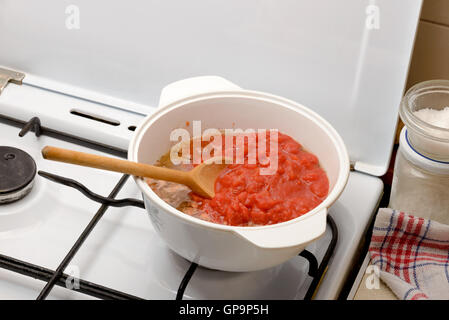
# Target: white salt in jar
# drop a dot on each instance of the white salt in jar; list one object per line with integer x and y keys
{"x": 421, "y": 173}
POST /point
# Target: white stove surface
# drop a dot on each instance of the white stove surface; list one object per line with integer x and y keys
{"x": 123, "y": 251}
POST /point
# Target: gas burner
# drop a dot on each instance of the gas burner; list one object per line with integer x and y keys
{"x": 17, "y": 172}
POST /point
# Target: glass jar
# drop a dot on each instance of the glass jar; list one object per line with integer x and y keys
{"x": 421, "y": 172}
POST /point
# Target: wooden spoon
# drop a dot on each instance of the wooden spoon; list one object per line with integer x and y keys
{"x": 200, "y": 179}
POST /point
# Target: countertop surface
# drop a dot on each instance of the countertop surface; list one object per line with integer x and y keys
{"x": 380, "y": 292}
{"x": 366, "y": 292}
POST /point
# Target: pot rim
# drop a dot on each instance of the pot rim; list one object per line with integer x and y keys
{"x": 338, "y": 188}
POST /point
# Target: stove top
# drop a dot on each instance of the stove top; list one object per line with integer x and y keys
{"x": 57, "y": 238}
{"x": 56, "y": 229}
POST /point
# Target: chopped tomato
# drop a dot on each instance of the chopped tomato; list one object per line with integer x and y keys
{"x": 244, "y": 197}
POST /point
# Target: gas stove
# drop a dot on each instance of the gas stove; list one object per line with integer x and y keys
{"x": 64, "y": 240}
{"x": 87, "y": 82}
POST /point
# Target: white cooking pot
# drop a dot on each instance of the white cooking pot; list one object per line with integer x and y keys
{"x": 220, "y": 104}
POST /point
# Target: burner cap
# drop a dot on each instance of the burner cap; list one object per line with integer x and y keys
{"x": 17, "y": 171}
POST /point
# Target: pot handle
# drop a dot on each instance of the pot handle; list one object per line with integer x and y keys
{"x": 193, "y": 86}
{"x": 290, "y": 235}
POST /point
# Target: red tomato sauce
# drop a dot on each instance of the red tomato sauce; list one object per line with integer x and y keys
{"x": 243, "y": 197}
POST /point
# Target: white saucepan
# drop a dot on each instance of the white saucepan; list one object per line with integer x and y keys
{"x": 221, "y": 104}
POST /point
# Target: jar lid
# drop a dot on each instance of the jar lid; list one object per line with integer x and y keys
{"x": 418, "y": 159}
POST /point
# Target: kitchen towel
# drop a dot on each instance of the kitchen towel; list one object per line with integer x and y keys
{"x": 412, "y": 255}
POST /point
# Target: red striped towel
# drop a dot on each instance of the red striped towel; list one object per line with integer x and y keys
{"x": 412, "y": 255}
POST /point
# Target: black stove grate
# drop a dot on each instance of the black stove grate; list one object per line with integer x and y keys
{"x": 57, "y": 277}
{"x": 44, "y": 274}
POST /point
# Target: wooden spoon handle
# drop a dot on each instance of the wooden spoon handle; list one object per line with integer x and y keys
{"x": 113, "y": 164}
